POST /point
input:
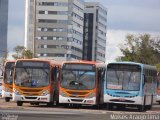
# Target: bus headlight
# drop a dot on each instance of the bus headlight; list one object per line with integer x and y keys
{"x": 44, "y": 93}
{"x": 5, "y": 89}
{"x": 16, "y": 92}
{"x": 63, "y": 94}
{"x": 91, "y": 95}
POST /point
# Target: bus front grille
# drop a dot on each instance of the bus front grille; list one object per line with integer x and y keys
{"x": 122, "y": 100}
{"x": 30, "y": 97}
{"x": 76, "y": 100}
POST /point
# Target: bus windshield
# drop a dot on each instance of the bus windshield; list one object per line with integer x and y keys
{"x": 8, "y": 69}
{"x": 123, "y": 77}
{"x": 78, "y": 77}
{"x": 78, "y": 80}
{"x": 32, "y": 76}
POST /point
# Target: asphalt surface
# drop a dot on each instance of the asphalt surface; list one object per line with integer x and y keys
{"x": 10, "y": 111}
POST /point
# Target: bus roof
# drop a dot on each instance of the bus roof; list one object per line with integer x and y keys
{"x": 135, "y": 63}
{"x": 41, "y": 60}
{"x": 10, "y": 61}
{"x": 84, "y": 62}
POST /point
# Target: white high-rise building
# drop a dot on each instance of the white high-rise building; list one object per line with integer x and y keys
{"x": 54, "y": 28}
{"x": 95, "y": 29}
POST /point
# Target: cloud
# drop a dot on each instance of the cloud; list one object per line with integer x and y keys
{"x": 132, "y": 15}
{"x": 15, "y": 23}
{"x": 116, "y": 38}
{"x": 15, "y": 37}
{"x": 16, "y": 12}
{"x": 133, "y": 18}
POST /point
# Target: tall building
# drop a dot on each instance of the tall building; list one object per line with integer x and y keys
{"x": 54, "y": 28}
{"x": 3, "y": 26}
{"x": 95, "y": 28}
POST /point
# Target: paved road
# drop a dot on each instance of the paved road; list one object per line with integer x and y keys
{"x": 9, "y": 111}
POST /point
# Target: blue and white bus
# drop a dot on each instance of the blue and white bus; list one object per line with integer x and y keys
{"x": 130, "y": 84}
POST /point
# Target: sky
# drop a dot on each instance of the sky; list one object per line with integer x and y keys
{"x": 123, "y": 17}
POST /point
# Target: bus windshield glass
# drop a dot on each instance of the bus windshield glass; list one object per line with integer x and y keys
{"x": 32, "y": 74}
{"x": 123, "y": 77}
{"x": 7, "y": 73}
{"x": 78, "y": 77}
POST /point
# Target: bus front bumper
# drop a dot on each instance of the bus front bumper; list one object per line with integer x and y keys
{"x": 75, "y": 100}
{"x": 137, "y": 100}
{"x": 31, "y": 98}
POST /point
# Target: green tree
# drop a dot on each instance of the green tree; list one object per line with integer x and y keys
{"x": 19, "y": 50}
{"x": 142, "y": 49}
{"x": 158, "y": 67}
{"x": 27, "y": 54}
{"x": 22, "y": 52}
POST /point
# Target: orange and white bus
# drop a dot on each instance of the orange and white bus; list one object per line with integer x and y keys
{"x": 81, "y": 83}
{"x": 7, "y": 80}
{"x": 35, "y": 81}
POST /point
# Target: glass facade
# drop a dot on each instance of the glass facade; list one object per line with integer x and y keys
{"x": 3, "y": 26}
{"x": 95, "y": 29}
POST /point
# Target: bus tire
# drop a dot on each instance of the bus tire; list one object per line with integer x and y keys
{"x": 7, "y": 99}
{"x": 109, "y": 106}
{"x": 141, "y": 108}
{"x": 150, "y": 106}
{"x": 50, "y": 104}
{"x": 19, "y": 103}
{"x": 56, "y": 103}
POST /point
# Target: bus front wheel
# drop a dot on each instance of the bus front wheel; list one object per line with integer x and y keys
{"x": 50, "y": 104}
{"x": 7, "y": 99}
{"x": 109, "y": 106}
{"x": 141, "y": 108}
{"x": 19, "y": 103}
